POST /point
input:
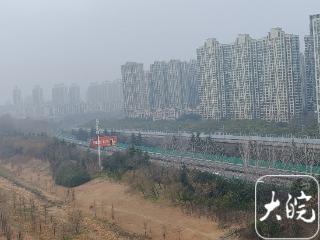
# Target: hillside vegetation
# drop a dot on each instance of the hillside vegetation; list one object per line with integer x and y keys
{"x": 230, "y": 200}
{"x": 69, "y": 165}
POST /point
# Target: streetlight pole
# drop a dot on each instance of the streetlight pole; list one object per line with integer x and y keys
{"x": 98, "y": 143}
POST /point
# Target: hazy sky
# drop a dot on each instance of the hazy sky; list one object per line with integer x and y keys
{"x": 81, "y": 41}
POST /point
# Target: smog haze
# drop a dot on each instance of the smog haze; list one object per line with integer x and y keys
{"x": 80, "y": 41}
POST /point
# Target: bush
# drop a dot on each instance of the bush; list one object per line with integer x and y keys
{"x": 71, "y": 175}
{"x": 121, "y": 162}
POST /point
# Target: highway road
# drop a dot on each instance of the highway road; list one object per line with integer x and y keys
{"x": 223, "y": 168}
{"x": 223, "y": 136}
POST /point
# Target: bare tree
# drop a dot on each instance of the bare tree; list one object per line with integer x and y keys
{"x": 164, "y": 232}
{"x": 179, "y": 231}
{"x": 112, "y": 212}
{"x": 75, "y": 220}
{"x": 245, "y": 153}
{"x": 145, "y": 228}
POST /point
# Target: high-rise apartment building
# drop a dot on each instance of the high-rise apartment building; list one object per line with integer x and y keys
{"x": 304, "y": 97}
{"x": 59, "y": 94}
{"x": 212, "y": 82}
{"x": 37, "y": 96}
{"x": 280, "y": 88}
{"x": 36, "y": 108}
{"x": 310, "y": 84}
{"x": 174, "y": 94}
{"x": 315, "y": 35}
{"x": 93, "y": 94}
{"x": 166, "y": 91}
{"x": 244, "y": 80}
{"x": 250, "y": 78}
{"x": 135, "y": 90}
{"x": 190, "y": 85}
{"x": 173, "y": 85}
{"x": 105, "y": 96}
{"x": 159, "y": 85}
{"x": 17, "y": 97}
{"x": 74, "y": 96}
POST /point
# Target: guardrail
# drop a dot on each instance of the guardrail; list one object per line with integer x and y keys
{"x": 262, "y": 164}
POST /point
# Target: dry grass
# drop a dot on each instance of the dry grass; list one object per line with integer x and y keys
{"x": 109, "y": 210}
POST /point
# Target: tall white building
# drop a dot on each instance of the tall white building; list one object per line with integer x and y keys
{"x": 212, "y": 82}
{"x": 190, "y": 85}
{"x": 74, "y": 96}
{"x": 315, "y": 34}
{"x": 303, "y": 71}
{"x": 18, "y": 104}
{"x": 280, "y": 94}
{"x": 310, "y": 84}
{"x": 244, "y": 80}
{"x": 59, "y": 94}
{"x": 174, "y": 94}
{"x": 37, "y": 107}
{"x": 135, "y": 90}
{"x": 173, "y": 85}
{"x": 166, "y": 91}
{"x": 37, "y": 96}
{"x": 105, "y": 96}
{"x": 17, "y": 97}
{"x": 251, "y": 79}
{"x": 66, "y": 100}
{"x": 159, "y": 85}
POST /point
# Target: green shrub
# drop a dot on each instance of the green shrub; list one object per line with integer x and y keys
{"x": 71, "y": 175}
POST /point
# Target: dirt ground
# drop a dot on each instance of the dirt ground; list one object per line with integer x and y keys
{"x": 103, "y": 201}
{"x": 133, "y": 213}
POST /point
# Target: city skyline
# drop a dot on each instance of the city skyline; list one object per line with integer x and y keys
{"x": 47, "y": 52}
{"x": 248, "y": 79}
{"x": 266, "y": 78}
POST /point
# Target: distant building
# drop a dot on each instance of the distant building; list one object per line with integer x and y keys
{"x": 213, "y": 69}
{"x": 17, "y": 97}
{"x": 135, "y": 90}
{"x": 280, "y": 96}
{"x": 113, "y": 100}
{"x": 105, "y": 97}
{"x": 315, "y": 35}
{"x": 18, "y": 108}
{"x": 304, "y": 92}
{"x": 166, "y": 91}
{"x": 158, "y": 86}
{"x": 243, "y": 99}
{"x": 74, "y": 96}
{"x": 66, "y": 101}
{"x": 37, "y": 107}
{"x": 190, "y": 85}
{"x": 251, "y": 79}
{"x": 59, "y": 95}
{"x": 310, "y": 81}
{"x": 37, "y": 96}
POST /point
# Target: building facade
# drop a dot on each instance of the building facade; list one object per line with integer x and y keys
{"x": 165, "y": 91}
{"x": 310, "y": 84}
{"x": 212, "y": 79}
{"x": 244, "y": 79}
{"x": 74, "y": 95}
{"x": 105, "y": 97}
{"x": 280, "y": 95}
{"x": 135, "y": 90}
{"x": 251, "y": 79}
{"x": 315, "y": 35}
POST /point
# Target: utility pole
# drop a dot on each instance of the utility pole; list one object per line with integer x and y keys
{"x": 98, "y": 143}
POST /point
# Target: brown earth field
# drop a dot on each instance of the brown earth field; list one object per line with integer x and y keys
{"x": 110, "y": 209}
